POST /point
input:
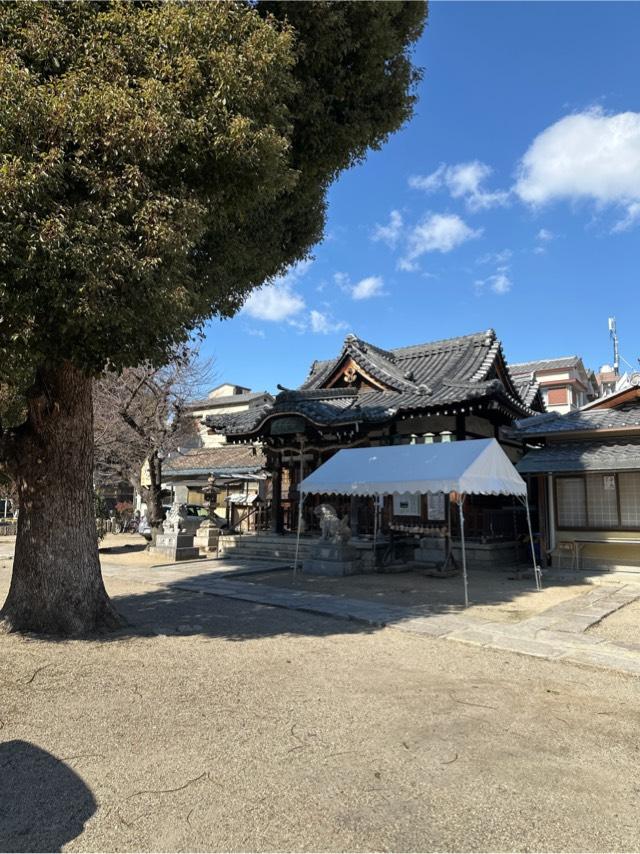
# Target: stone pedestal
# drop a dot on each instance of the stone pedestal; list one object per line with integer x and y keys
{"x": 207, "y": 537}
{"x": 332, "y": 559}
{"x": 175, "y": 546}
{"x": 432, "y": 555}
{"x": 431, "y": 550}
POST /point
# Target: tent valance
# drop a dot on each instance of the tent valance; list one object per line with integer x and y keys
{"x": 472, "y": 467}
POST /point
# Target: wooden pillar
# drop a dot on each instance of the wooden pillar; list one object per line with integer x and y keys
{"x": 353, "y": 515}
{"x": 276, "y": 498}
{"x": 461, "y": 432}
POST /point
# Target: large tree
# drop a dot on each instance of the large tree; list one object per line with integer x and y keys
{"x": 158, "y": 161}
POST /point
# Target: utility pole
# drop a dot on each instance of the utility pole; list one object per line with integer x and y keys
{"x": 613, "y": 333}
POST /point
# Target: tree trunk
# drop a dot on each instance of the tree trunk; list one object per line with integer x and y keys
{"x": 56, "y": 586}
{"x": 154, "y": 503}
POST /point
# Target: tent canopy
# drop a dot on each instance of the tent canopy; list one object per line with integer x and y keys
{"x": 473, "y": 467}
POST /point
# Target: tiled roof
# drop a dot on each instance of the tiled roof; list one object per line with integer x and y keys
{"x": 526, "y": 387}
{"x": 421, "y": 377}
{"x": 227, "y": 400}
{"x": 579, "y": 421}
{"x": 581, "y": 456}
{"x": 235, "y": 459}
{"x": 461, "y": 359}
{"x": 545, "y": 365}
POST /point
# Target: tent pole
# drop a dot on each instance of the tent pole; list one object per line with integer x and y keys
{"x": 300, "y": 502}
{"x": 375, "y": 523}
{"x": 536, "y": 568}
{"x": 464, "y": 552}
{"x": 295, "y": 564}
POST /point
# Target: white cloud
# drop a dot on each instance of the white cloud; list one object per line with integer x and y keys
{"x": 429, "y": 183}
{"x": 342, "y": 280}
{"x": 278, "y": 301}
{"x": 632, "y": 217}
{"x": 495, "y": 257}
{"x": 545, "y": 235}
{"x": 369, "y": 287}
{"x": 389, "y": 234}
{"x": 540, "y": 250}
{"x": 275, "y": 302}
{"x": 436, "y": 233}
{"x": 500, "y": 282}
{"x": 407, "y": 266}
{"x": 322, "y": 323}
{"x": 588, "y": 155}
{"x": 464, "y": 181}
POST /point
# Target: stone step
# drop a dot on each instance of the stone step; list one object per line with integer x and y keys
{"x": 259, "y": 547}
{"x": 262, "y": 553}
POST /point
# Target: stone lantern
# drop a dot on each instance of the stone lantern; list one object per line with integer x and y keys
{"x": 208, "y": 534}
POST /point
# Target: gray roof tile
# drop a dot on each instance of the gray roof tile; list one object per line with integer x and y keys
{"x": 421, "y": 377}
{"x": 579, "y": 421}
{"x": 545, "y": 365}
{"x": 580, "y": 457}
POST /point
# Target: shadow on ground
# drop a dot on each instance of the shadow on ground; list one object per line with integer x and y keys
{"x": 171, "y": 611}
{"x": 195, "y": 603}
{"x": 43, "y": 803}
{"x": 126, "y": 548}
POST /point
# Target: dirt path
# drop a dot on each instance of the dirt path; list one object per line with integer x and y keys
{"x": 225, "y": 726}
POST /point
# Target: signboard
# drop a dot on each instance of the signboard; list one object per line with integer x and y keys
{"x": 406, "y": 505}
{"x": 436, "y": 507}
{"x": 609, "y": 482}
{"x": 290, "y": 424}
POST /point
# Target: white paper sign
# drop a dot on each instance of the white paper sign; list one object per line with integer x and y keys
{"x": 435, "y": 507}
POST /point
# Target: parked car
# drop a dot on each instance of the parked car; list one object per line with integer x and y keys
{"x": 196, "y": 514}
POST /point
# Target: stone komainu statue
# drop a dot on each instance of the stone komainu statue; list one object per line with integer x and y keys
{"x": 334, "y": 529}
{"x": 175, "y": 521}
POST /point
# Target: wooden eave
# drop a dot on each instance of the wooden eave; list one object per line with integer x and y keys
{"x": 349, "y": 363}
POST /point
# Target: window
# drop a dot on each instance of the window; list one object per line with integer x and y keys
{"x": 602, "y": 501}
{"x": 406, "y": 505}
{"x": 629, "y": 487}
{"x": 572, "y": 510}
{"x": 557, "y": 396}
{"x": 598, "y": 501}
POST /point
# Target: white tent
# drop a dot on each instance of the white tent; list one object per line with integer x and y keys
{"x": 472, "y": 467}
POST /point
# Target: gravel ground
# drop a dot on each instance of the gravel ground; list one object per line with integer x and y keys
{"x": 494, "y": 595}
{"x": 217, "y": 725}
{"x": 622, "y": 626}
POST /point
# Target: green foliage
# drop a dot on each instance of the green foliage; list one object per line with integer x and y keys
{"x": 160, "y": 160}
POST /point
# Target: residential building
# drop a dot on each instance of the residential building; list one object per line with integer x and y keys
{"x": 587, "y": 465}
{"x": 225, "y": 399}
{"x": 238, "y": 472}
{"x": 565, "y": 383}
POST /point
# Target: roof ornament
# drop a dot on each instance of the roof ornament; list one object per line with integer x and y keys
{"x": 351, "y": 338}
{"x": 409, "y": 375}
{"x": 350, "y": 375}
{"x": 423, "y": 389}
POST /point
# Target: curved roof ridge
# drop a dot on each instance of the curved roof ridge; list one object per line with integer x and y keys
{"x": 450, "y": 343}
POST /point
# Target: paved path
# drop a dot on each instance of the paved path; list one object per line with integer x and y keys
{"x": 557, "y": 633}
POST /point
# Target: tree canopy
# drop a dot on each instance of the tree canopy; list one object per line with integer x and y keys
{"x": 160, "y": 160}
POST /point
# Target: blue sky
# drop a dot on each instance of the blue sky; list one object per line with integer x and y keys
{"x": 511, "y": 200}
